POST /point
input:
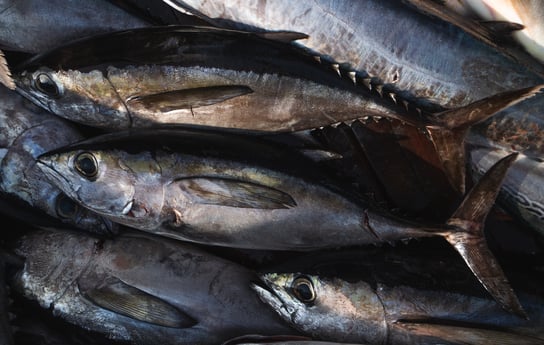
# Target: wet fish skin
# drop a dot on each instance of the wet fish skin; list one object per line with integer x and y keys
{"x": 334, "y": 309}
{"x": 124, "y": 79}
{"x": 34, "y": 26}
{"x": 26, "y": 132}
{"x": 230, "y": 190}
{"x": 67, "y": 272}
{"x": 450, "y": 69}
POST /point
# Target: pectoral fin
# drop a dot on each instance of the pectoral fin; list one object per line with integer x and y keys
{"x": 189, "y": 98}
{"x": 129, "y": 301}
{"x": 233, "y": 193}
{"x": 448, "y": 129}
{"x": 464, "y": 335}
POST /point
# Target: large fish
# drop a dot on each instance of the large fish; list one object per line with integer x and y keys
{"x": 142, "y": 289}
{"x": 236, "y": 191}
{"x": 33, "y": 26}
{"x": 26, "y": 132}
{"x": 228, "y": 79}
{"x": 414, "y": 55}
{"x": 335, "y": 309}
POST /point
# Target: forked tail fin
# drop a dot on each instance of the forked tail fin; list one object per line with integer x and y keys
{"x": 449, "y": 128}
{"x": 467, "y": 235}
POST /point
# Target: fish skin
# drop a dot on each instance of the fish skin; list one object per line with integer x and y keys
{"x": 163, "y": 75}
{"x": 34, "y": 26}
{"x": 26, "y": 132}
{"x": 230, "y": 190}
{"x": 361, "y": 312}
{"x": 97, "y": 80}
{"x": 451, "y": 69}
{"x": 61, "y": 267}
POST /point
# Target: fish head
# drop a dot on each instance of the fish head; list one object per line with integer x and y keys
{"x": 84, "y": 97}
{"x": 325, "y": 308}
{"x": 93, "y": 178}
{"x": 52, "y": 261}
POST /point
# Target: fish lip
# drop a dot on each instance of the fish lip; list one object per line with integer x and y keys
{"x": 268, "y": 295}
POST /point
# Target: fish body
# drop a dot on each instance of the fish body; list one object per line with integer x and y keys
{"x": 142, "y": 289}
{"x": 334, "y": 309}
{"x": 34, "y": 26}
{"x": 26, "y": 132}
{"x": 198, "y": 76}
{"x": 229, "y": 190}
{"x": 426, "y": 60}
{"x": 201, "y": 76}
{"x": 529, "y": 13}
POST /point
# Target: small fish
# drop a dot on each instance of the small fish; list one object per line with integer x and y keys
{"x": 229, "y": 79}
{"x": 232, "y": 190}
{"x": 142, "y": 289}
{"x": 335, "y": 309}
{"x": 33, "y": 26}
{"x": 27, "y": 131}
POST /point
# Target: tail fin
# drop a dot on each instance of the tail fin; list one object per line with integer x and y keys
{"x": 468, "y": 237}
{"x": 448, "y": 129}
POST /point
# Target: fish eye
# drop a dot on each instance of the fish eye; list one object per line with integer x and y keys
{"x": 303, "y": 289}
{"x": 66, "y": 208}
{"x": 86, "y": 165}
{"x": 45, "y": 84}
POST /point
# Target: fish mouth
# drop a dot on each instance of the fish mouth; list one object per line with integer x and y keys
{"x": 268, "y": 292}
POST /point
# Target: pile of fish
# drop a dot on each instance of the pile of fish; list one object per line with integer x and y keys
{"x": 251, "y": 172}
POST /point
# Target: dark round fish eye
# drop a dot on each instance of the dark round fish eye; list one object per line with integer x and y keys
{"x": 86, "y": 164}
{"x": 66, "y": 208}
{"x": 45, "y": 84}
{"x": 303, "y": 289}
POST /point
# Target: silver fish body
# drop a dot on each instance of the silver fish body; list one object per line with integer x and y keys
{"x": 417, "y": 56}
{"x": 189, "y": 75}
{"x": 34, "y": 26}
{"x": 334, "y": 309}
{"x": 142, "y": 289}
{"x": 27, "y": 132}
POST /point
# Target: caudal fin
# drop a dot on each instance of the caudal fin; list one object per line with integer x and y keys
{"x": 467, "y": 236}
{"x": 449, "y": 128}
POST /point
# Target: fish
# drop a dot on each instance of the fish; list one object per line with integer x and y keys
{"x": 202, "y": 76}
{"x": 27, "y": 131}
{"x": 225, "y": 189}
{"x": 338, "y": 310}
{"x": 142, "y": 289}
{"x": 33, "y": 26}
{"x": 426, "y": 60}
{"x": 528, "y": 13}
